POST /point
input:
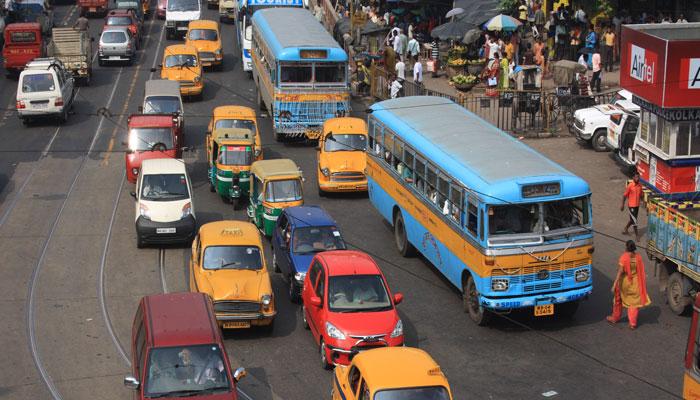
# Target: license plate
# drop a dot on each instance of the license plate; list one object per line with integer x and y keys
{"x": 115, "y": 58}
{"x": 236, "y": 324}
{"x": 40, "y": 105}
{"x": 181, "y": 28}
{"x": 545, "y": 309}
{"x": 165, "y": 230}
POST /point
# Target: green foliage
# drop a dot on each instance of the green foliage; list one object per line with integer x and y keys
{"x": 508, "y": 6}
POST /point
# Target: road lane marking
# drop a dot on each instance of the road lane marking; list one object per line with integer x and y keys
{"x": 161, "y": 269}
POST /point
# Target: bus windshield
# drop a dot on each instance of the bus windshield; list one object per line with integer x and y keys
{"x": 538, "y": 218}
{"x": 329, "y": 72}
{"x": 296, "y": 73}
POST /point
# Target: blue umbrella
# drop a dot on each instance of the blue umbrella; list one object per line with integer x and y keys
{"x": 502, "y": 23}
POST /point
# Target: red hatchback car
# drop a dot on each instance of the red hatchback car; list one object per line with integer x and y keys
{"x": 125, "y": 18}
{"x": 348, "y": 306}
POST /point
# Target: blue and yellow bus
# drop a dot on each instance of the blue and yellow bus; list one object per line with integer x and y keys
{"x": 300, "y": 72}
{"x": 504, "y": 224}
{"x": 244, "y": 29}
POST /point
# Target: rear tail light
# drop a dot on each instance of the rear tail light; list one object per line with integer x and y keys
{"x": 58, "y": 102}
{"x": 20, "y": 104}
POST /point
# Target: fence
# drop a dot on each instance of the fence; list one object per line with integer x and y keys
{"x": 512, "y": 111}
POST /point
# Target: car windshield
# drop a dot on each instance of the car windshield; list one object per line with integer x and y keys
{"x": 161, "y": 104}
{"x": 232, "y": 257}
{"x": 183, "y": 5}
{"x": 235, "y": 155}
{"x": 180, "y": 60}
{"x": 184, "y": 371}
{"x": 235, "y": 123}
{"x": 283, "y": 190}
{"x": 164, "y": 187}
{"x": 144, "y": 139}
{"x": 345, "y": 142}
{"x": 420, "y": 393}
{"x": 203, "y": 34}
{"x": 316, "y": 239}
{"x": 357, "y": 293}
{"x": 113, "y": 37}
{"x": 38, "y": 83}
{"x": 118, "y": 21}
{"x": 538, "y": 218}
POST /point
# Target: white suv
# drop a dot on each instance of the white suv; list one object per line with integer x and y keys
{"x": 591, "y": 124}
{"x": 164, "y": 210}
{"x": 178, "y": 15}
{"x": 45, "y": 89}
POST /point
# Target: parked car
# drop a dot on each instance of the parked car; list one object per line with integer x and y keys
{"x": 125, "y": 18}
{"x": 348, "y": 306}
{"x": 228, "y": 264}
{"x": 205, "y": 37}
{"x": 176, "y": 350}
{"x": 23, "y": 43}
{"x": 164, "y": 209}
{"x": 117, "y": 44}
{"x": 591, "y": 124}
{"x": 150, "y": 136}
{"x": 45, "y": 89}
{"x": 162, "y": 96}
{"x": 391, "y": 373}
{"x": 342, "y": 156}
{"x": 300, "y": 234}
{"x": 181, "y": 64}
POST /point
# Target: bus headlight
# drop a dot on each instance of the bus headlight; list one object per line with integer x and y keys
{"x": 582, "y": 275}
{"x": 499, "y": 284}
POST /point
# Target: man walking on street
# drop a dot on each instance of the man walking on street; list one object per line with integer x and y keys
{"x": 81, "y": 24}
{"x": 608, "y": 49}
{"x": 597, "y": 70}
{"x": 633, "y": 196}
{"x": 435, "y": 55}
{"x": 418, "y": 75}
{"x": 413, "y": 49}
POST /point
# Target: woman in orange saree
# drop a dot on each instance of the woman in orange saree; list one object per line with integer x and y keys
{"x": 630, "y": 286}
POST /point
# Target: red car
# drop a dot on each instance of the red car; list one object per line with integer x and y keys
{"x": 348, "y": 306}
{"x": 151, "y": 136}
{"x": 160, "y": 10}
{"x": 125, "y": 18}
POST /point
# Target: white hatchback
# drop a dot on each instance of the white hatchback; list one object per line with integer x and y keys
{"x": 164, "y": 210}
{"x": 45, "y": 89}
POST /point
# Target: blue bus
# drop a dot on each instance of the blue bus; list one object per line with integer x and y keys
{"x": 244, "y": 14}
{"x": 505, "y": 225}
{"x": 300, "y": 72}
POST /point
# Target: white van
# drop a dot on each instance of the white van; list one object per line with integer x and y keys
{"x": 164, "y": 210}
{"x": 178, "y": 15}
{"x": 45, "y": 89}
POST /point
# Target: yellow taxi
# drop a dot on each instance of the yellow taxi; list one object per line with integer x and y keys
{"x": 228, "y": 264}
{"x": 342, "y": 156}
{"x": 181, "y": 63}
{"x": 205, "y": 36}
{"x": 224, "y": 117}
{"x": 390, "y": 373}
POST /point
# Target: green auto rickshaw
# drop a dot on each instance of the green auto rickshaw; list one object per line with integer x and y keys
{"x": 230, "y": 153}
{"x": 275, "y": 185}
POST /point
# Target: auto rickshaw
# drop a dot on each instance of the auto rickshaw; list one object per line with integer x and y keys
{"x": 230, "y": 152}
{"x": 237, "y": 117}
{"x": 275, "y": 185}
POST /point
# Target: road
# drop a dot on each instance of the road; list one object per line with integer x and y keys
{"x": 72, "y": 275}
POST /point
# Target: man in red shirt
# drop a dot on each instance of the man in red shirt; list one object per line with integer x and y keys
{"x": 633, "y": 195}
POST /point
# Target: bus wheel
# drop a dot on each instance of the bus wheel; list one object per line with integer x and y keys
{"x": 676, "y": 296}
{"x": 405, "y": 248}
{"x": 470, "y": 297}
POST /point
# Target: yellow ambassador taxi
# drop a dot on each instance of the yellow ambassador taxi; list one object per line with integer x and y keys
{"x": 342, "y": 156}
{"x": 389, "y": 373}
{"x": 228, "y": 264}
{"x": 181, "y": 64}
{"x": 204, "y": 35}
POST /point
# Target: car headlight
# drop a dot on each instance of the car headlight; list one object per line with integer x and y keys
{"x": 135, "y": 171}
{"x": 197, "y": 79}
{"x": 143, "y": 211}
{"x": 398, "y": 329}
{"x": 326, "y": 172}
{"x": 186, "y": 210}
{"x": 266, "y": 299}
{"x": 582, "y": 275}
{"x": 299, "y": 277}
{"x": 334, "y": 332}
{"x": 499, "y": 284}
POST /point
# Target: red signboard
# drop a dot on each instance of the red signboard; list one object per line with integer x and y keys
{"x": 669, "y": 179}
{"x": 661, "y": 68}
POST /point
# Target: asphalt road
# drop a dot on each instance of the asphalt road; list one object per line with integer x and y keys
{"x": 72, "y": 276}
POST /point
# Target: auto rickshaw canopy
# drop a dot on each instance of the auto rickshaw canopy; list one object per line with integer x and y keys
{"x": 233, "y": 112}
{"x": 237, "y": 135}
{"x": 265, "y": 169}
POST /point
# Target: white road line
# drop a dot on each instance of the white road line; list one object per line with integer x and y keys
{"x": 161, "y": 268}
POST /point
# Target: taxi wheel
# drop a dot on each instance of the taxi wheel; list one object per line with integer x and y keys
{"x": 470, "y": 298}
{"x": 237, "y": 203}
{"x": 303, "y": 318}
{"x": 321, "y": 193}
{"x": 324, "y": 357}
{"x": 274, "y": 261}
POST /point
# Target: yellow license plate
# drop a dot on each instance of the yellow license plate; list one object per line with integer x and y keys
{"x": 545, "y": 309}
{"x": 236, "y": 324}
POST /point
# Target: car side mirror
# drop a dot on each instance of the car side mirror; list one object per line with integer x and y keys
{"x": 315, "y": 301}
{"x": 131, "y": 382}
{"x": 239, "y": 374}
{"x": 133, "y": 194}
{"x": 398, "y": 298}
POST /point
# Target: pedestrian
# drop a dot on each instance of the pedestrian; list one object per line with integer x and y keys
{"x": 396, "y": 88}
{"x": 522, "y": 13}
{"x": 591, "y": 38}
{"x": 540, "y": 20}
{"x": 403, "y": 45}
{"x": 491, "y": 73}
{"x": 597, "y": 69}
{"x": 580, "y": 15}
{"x": 630, "y": 286}
{"x": 400, "y": 69}
{"x": 608, "y": 49}
{"x": 413, "y": 49}
{"x": 435, "y": 56}
{"x": 81, "y": 24}
{"x": 529, "y": 56}
{"x": 538, "y": 50}
{"x": 418, "y": 74}
{"x": 633, "y": 195}
{"x": 493, "y": 48}
{"x": 681, "y": 20}
{"x": 505, "y": 71}
{"x": 363, "y": 77}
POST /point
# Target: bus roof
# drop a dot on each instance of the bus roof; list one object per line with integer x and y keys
{"x": 287, "y": 30}
{"x": 473, "y": 151}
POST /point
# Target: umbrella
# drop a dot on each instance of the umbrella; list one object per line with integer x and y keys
{"x": 471, "y": 36}
{"x": 453, "y": 30}
{"x": 453, "y": 12}
{"x": 502, "y": 23}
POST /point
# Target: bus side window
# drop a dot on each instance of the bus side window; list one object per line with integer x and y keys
{"x": 431, "y": 181}
{"x": 443, "y": 193}
{"x": 456, "y": 211}
{"x": 420, "y": 175}
{"x": 473, "y": 219}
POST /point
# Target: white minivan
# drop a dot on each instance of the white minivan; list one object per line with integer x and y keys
{"x": 45, "y": 89}
{"x": 164, "y": 210}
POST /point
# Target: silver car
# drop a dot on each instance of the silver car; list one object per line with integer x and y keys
{"x": 117, "y": 44}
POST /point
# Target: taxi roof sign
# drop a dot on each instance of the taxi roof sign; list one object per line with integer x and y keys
{"x": 232, "y": 232}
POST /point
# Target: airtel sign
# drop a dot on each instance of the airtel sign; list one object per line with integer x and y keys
{"x": 643, "y": 64}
